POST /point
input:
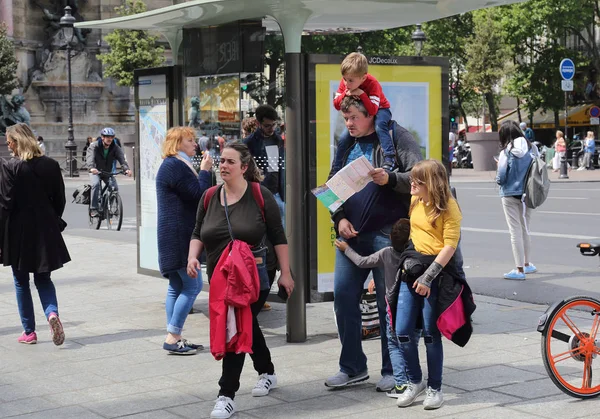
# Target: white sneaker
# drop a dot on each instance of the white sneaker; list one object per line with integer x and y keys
{"x": 265, "y": 383}
{"x": 224, "y": 408}
{"x": 433, "y": 399}
{"x": 580, "y": 169}
{"x": 410, "y": 394}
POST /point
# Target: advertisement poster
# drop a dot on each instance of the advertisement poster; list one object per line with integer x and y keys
{"x": 415, "y": 96}
{"x": 152, "y": 128}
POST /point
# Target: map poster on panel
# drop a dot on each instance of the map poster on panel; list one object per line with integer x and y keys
{"x": 153, "y": 121}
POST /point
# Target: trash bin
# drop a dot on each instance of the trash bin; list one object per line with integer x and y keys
{"x": 484, "y": 146}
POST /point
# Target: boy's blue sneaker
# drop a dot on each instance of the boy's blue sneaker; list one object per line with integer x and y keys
{"x": 388, "y": 163}
{"x": 530, "y": 269}
{"x": 515, "y": 274}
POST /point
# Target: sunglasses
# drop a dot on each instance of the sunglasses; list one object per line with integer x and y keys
{"x": 415, "y": 181}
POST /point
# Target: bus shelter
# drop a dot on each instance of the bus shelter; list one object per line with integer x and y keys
{"x": 310, "y": 128}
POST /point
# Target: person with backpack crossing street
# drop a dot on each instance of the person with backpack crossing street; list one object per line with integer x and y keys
{"x": 514, "y": 164}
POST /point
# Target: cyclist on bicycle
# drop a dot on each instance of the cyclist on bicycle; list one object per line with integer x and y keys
{"x": 101, "y": 155}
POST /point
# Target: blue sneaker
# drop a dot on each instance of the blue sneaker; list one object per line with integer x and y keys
{"x": 515, "y": 274}
{"x": 179, "y": 348}
{"x": 530, "y": 269}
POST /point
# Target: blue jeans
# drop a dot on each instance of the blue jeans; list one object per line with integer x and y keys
{"x": 281, "y": 206}
{"x": 398, "y": 364}
{"x": 46, "y": 291}
{"x": 347, "y": 291}
{"x": 410, "y": 307}
{"x": 181, "y": 294}
{"x": 95, "y": 193}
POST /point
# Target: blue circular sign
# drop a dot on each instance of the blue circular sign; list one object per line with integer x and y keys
{"x": 567, "y": 69}
{"x": 595, "y": 112}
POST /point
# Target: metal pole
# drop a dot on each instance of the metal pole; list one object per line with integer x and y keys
{"x": 70, "y": 138}
{"x": 564, "y": 170}
{"x": 296, "y": 194}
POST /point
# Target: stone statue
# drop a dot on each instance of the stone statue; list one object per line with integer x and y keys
{"x": 53, "y": 14}
{"x": 194, "y": 115}
{"x": 13, "y": 112}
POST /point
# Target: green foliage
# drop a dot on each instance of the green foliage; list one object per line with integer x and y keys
{"x": 8, "y": 63}
{"x": 487, "y": 55}
{"x": 130, "y": 50}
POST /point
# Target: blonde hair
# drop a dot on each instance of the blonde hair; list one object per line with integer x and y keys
{"x": 174, "y": 138}
{"x": 434, "y": 176}
{"x": 355, "y": 64}
{"x": 27, "y": 146}
{"x": 560, "y": 134}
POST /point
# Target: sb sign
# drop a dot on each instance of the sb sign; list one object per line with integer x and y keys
{"x": 567, "y": 69}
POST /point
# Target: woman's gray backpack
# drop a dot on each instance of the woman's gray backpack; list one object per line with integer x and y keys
{"x": 537, "y": 182}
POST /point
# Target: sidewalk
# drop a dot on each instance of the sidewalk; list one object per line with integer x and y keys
{"x": 112, "y": 363}
{"x": 470, "y": 175}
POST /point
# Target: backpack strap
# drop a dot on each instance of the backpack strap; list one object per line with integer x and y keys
{"x": 208, "y": 195}
{"x": 258, "y": 197}
{"x": 256, "y": 192}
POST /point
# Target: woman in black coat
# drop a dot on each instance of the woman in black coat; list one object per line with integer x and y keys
{"x": 32, "y": 240}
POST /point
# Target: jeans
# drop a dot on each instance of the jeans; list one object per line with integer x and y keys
{"x": 281, "y": 206}
{"x": 410, "y": 307}
{"x": 233, "y": 363}
{"x": 382, "y": 128}
{"x": 347, "y": 291}
{"x": 518, "y": 217}
{"x": 46, "y": 291}
{"x": 398, "y": 364}
{"x": 95, "y": 194}
{"x": 181, "y": 294}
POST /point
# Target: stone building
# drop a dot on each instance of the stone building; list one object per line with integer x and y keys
{"x": 97, "y": 102}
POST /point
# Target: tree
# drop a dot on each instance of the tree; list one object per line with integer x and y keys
{"x": 8, "y": 63}
{"x": 448, "y": 38}
{"x": 130, "y": 49}
{"x": 487, "y": 58}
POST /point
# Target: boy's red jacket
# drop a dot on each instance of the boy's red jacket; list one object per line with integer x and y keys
{"x": 234, "y": 283}
{"x": 373, "y": 97}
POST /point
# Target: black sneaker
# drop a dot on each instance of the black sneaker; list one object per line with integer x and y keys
{"x": 94, "y": 213}
{"x": 396, "y": 391}
{"x": 179, "y": 348}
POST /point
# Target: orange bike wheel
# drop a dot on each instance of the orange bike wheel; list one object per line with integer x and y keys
{"x": 571, "y": 346}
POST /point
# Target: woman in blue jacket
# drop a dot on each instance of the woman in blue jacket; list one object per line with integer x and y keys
{"x": 178, "y": 192}
{"x": 513, "y": 164}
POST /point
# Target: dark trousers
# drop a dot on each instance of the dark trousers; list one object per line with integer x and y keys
{"x": 261, "y": 356}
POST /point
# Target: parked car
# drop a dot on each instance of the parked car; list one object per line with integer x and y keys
{"x": 576, "y": 148}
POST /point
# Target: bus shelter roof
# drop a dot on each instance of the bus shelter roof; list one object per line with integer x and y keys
{"x": 305, "y": 16}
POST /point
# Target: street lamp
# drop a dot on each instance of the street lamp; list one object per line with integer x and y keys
{"x": 66, "y": 23}
{"x": 419, "y": 38}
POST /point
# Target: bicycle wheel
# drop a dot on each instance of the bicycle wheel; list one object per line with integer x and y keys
{"x": 571, "y": 345}
{"x": 94, "y": 221}
{"x": 114, "y": 212}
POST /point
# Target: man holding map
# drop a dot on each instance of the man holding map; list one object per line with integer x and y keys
{"x": 364, "y": 220}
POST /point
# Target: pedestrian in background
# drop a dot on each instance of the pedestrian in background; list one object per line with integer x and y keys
{"x": 513, "y": 165}
{"x": 589, "y": 145}
{"x": 560, "y": 148}
{"x": 249, "y": 125}
{"x": 33, "y": 241}
{"x": 40, "y": 141}
{"x": 234, "y": 212}
{"x": 178, "y": 192}
{"x": 85, "y": 147}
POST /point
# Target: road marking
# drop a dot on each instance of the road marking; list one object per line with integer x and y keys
{"x": 568, "y": 213}
{"x": 554, "y": 235}
{"x": 550, "y": 197}
{"x": 495, "y": 187}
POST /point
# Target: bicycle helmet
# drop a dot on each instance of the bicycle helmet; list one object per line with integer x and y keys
{"x": 108, "y": 132}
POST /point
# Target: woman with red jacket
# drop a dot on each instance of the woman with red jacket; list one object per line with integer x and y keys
{"x": 249, "y": 225}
